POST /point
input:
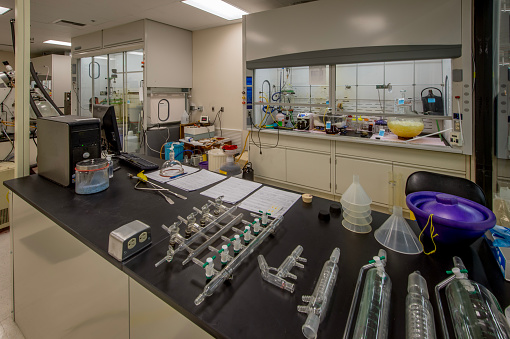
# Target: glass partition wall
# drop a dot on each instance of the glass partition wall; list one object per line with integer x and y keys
{"x": 114, "y": 79}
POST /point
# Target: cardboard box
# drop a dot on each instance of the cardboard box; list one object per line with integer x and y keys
{"x": 502, "y": 255}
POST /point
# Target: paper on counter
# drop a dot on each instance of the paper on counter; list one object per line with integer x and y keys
{"x": 233, "y": 189}
{"x": 275, "y": 201}
{"x": 156, "y": 177}
{"x": 195, "y": 181}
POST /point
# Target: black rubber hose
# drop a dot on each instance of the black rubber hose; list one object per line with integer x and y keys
{"x": 41, "y": 87}
{"x": 13, "y": 37}
{"x": 34, "y": 107}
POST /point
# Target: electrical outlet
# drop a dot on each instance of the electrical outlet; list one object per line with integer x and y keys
{"x": 456, "y": 139}
{"x": 456, "y": 126}
{"x": 222, "y": 109}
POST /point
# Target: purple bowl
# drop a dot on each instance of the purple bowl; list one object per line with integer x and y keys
{"x": 456, "y": 220}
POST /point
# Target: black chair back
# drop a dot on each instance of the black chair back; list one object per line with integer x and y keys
{"x": 461, "y": 187}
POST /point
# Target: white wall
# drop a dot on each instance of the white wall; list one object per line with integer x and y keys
{"x": 6, "y": 56}
{"x": 217, "y": 74}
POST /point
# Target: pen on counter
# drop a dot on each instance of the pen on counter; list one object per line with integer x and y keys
{"x": 178, "y": 175}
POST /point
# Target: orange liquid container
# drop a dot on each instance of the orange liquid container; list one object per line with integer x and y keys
{"x": 406, "y": 127}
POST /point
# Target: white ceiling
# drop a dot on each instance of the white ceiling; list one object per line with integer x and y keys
{"x": 101, "y": 14}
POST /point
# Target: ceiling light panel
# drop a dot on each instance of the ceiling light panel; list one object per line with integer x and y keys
{"x": 56, "y": 42}
{"x": 4, "y": 10}
{"x": 217, "y": 7}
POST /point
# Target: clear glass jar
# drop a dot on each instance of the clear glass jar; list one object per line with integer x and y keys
{"x": 91, "y": 176}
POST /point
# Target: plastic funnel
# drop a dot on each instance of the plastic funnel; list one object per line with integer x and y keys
{"x": 357, "y": 221}
{"x": 357, "y": 214}
{"x": 355, "y": 195}
{"x": 356, "y": 228}
{"x": 397, "y": 235}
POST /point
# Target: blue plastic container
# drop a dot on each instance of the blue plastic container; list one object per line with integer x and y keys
{"x": 456, "y": 220}
{"x": 178, "y": 150}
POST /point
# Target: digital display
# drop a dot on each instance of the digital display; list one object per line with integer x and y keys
{"x": 431, "y": 100}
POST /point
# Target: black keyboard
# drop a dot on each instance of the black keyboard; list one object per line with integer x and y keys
{"x": 136, "y": 161}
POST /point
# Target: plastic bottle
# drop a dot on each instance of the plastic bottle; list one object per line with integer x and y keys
{"x": 184, "y": 118}
{"x": 132, "y": 142}
{"x": 110, "y": 166}
{"x": 230, "y": 168}
{"x": 419, "y": 313}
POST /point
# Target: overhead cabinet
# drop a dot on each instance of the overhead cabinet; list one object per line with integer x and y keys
{"x": 87, "y": 42}
{"x": 124, "y": 34}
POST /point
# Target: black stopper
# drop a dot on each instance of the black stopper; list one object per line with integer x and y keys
{"x": 324, "y": 215}
{"x": 335, "y": 209}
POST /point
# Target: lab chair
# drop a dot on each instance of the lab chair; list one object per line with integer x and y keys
{"x": 461, "y": 187}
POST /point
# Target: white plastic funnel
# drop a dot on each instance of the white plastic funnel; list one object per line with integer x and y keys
{"x": 355, "y": 197}
{"x": 356, "y": 228}
{"x": 397, "y": 235}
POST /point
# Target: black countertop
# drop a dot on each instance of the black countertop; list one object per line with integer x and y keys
{"x": 247, "y": 306}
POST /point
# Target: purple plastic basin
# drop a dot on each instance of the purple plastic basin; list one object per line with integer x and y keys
{"x": 456, "y": 220}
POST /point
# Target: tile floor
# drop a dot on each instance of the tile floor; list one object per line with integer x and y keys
{"x": 8, "y": 328}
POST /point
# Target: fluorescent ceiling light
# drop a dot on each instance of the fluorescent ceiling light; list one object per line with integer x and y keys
{"x": 135, "y": 53}
{"x": 217, "y": 7}
{"x": 56, "y": 42}
{"x": 4, "y": 10}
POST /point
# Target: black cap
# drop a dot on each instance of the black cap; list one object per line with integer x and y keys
{"x": 324, "y": 215}
{"x": 335, "y": 208}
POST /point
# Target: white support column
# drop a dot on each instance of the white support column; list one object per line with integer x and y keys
{"x": 22, "y": 90}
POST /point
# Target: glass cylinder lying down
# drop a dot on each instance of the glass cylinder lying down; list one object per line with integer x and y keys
{"x": 475, "y": 311}
{"x": 319, "y": 300}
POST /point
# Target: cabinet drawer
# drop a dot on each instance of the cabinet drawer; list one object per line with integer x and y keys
{"x": 309, "y": 169}
{"x": 311, "y": 144}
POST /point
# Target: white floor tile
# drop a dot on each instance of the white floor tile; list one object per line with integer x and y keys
{"x": 8, "y": 328}
{"x": 11, "y": 329}
{"x": 3, "y": 335}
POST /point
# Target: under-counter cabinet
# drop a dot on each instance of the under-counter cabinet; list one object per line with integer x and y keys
{"x": 270, "y": 162}
{"x": 324, "y": 166}
{"x": 309, "y": 169}
{"x": 374, "y": 176}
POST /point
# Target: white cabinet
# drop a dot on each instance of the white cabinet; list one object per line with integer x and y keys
{"x": 309, "y": 169}
{"x": 270, "y": 164}
{"x": 325, "y": 168}
{"x": 57, "y": 69}
{"x": 374, "y": 176}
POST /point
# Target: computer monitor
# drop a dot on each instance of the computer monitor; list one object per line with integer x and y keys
{"x": 106, "y": 114}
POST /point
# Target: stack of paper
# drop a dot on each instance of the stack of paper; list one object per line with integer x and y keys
{"x": 156, "y": 177}
{"x": 195, "y": 181}
{"x": 232, "y": 190}
{"x": 272, "y": 200}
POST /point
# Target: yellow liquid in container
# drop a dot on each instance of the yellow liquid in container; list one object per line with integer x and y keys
{"x": 406, "y": 128}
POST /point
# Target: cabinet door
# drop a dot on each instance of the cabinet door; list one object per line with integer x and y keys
{"x": 400, "y": 175}
{"x": 374, "y": 177}
{"x": 309, "y": 169}
{"x": 270, "y": 164}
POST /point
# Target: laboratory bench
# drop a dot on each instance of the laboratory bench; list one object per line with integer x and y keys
{"x": 67, "y": 285}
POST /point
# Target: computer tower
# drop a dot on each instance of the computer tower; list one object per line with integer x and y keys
{"x": 64, "y": 140}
